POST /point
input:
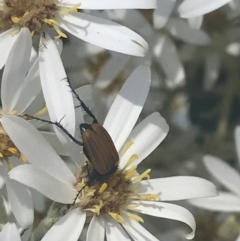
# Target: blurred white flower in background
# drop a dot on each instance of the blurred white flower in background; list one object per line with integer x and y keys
{"x": 228, "y": 177}
{"x": 192, "y": 9}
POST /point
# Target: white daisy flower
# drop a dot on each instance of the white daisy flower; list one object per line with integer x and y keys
{"x": 39, "y": 15}
{"x": 227, "y": 201}
{"x": 112, "y": 204}
{"x": 192, "y": 9}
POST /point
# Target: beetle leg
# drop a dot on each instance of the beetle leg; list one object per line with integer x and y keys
{"x": 59, "y": 126}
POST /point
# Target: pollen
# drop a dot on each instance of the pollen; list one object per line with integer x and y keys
{"x": 114, "y": 196}
{"x": 7, "y": 148}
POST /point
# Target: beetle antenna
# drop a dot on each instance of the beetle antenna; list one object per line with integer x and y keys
{"x": 82, "y": 104}
{"x": 75, "y": 199}
{"x": 59, "y": 126}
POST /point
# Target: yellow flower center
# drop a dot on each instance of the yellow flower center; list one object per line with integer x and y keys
{"x": 36, "y": 15}
{"x": 7, "y": 148}
{"x": 113, "y": 196}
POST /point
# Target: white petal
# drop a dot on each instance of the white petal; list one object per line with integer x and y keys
{"x": 225, "y": 202}
{"x": 162, "y": 13}
{"x": 55, "y": 143}
{"x": 96, "y": 229}
{"x": 31, "y": 87}
{"x": 68, "y": 228}
{"x": 196, "y": 22}
{"x": 167, "y": 56}
{"x": 182, "y": 30}
{"x": 10, "y": 233}
{"x": 237, "y": 141}
{"x": 56, "y": 91}
{"x": 33, "y": 56}
{"x": 20, "y": 199}
{"x": 190, "y": 9}
{"x": 16, "y": 69}
{"x": 114, "y": 231}
{"x": 224, "y": 173}
{"x": 104, "y": 33}
{"x": 109, "y": 4}
{"x": 39, "y": 201}
{"x": 44, "y": 183}
{"x": 147, "y": 135}
{"x": 137, "y": 231}
{"x": 36, "y": 149}
{"x": 111, "y": 69}
{"x": 7, "y": 40}
{"x": 168, "y": 210}
{"x": 59, "y": 45}
{"x": 128, "y": 105}
{"x": 178, "y": 188}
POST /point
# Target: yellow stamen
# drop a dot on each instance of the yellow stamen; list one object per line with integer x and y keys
{"x": 143, "y": 175}
{"x": 133, "y": 158}
{"x": 73, "y": 9}
{"x": 1, "y": 155}
{"x": 15, "y": 19}
{"x": 132, "y": 206}
{"x": 130, "y": 172}
{"x": 24, "y": 159}
{"x": 98, "y": 207}
{"x": 32, "y": 33}
{"x": 126, "y": 147}
{"x": 148, "y": 197}
{"x": 103, "y": 187}
{"x": 60, "y": 33}
{"x": 117, "y": 217}
{"x": 134, "y": 216}
{"x": 50, "y": 21}
{"x": 42, "y": 111}
{"x": 13, "y": 150}
{"x": 9, "y": 164}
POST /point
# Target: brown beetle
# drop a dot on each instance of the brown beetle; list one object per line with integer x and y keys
{"x": 99, "y": 148}
{"x": 97, "y": 144}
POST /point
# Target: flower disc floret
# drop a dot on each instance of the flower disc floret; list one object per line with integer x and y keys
{"x": 112, "y": 196}
{"x": 7, "y": 147}
{"x": 29, "y": 13}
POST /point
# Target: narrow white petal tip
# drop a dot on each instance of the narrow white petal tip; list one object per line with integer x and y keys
{"x": 191, "y": 9}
